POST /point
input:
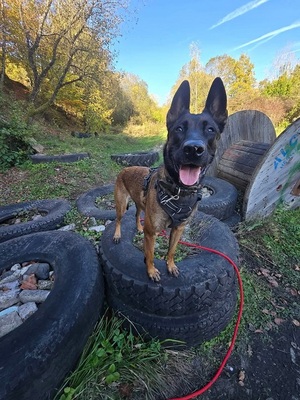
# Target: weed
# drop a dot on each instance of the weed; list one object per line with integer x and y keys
{"x": 113, "y": 356}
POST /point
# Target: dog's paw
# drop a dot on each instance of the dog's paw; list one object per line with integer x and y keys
{"x": 173, "y": 270}
{"x": 154, "y": 274}
{"x": 117, "y": 239}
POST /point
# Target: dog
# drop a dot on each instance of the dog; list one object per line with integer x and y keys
{"x": 168, "y": 195}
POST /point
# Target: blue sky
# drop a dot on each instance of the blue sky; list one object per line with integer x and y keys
{"x": 156, "y": 39}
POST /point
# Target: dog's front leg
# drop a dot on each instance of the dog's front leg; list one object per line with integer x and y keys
{"x": 149, "y": 242}
{"x": 175, "y": 235}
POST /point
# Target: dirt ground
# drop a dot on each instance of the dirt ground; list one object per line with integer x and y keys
{"x": 265, "y": 366}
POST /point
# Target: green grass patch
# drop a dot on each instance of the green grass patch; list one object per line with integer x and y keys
{"x": 114, "y": 360}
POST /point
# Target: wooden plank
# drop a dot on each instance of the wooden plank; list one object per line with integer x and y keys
{"x": 238, "y": 157}
{"x": 241, "y": 159}
{"x": 251, "y": 125}
{"x": 226, "y": 165}
{"x": 276, "y": 178}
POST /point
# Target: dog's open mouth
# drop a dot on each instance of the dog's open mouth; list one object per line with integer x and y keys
{"x": 189, "y": 174}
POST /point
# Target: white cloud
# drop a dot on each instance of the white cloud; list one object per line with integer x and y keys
{"x": 270, "y": 35}
{"x": 239, "y": 11}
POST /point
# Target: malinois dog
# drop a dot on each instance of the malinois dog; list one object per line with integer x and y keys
{"x": 168, "y": 195}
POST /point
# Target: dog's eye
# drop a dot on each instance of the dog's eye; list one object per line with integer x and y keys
{"x": 179, "y": 129}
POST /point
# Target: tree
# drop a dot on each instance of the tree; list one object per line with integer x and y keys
{"x": 62, "y": 42}
{"x": 143, "y": 106}
{"x": 199, "y": 80}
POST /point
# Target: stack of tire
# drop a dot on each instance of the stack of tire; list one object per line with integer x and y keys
{"x": 37, "y": 355}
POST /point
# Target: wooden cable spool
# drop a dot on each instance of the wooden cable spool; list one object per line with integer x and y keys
{"x": 276, "y": 180}
{"x": 239, "y": 161}
{"x": 250, "y": 125}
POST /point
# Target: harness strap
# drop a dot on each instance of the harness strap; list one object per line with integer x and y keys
{"x": 178, "y": 207}
{"x": 147, "y": 179}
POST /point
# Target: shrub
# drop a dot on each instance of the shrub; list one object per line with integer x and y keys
{"x": 14, "y": 139}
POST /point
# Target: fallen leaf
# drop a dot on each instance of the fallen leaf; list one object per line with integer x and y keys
{"x": 293, "y": 292}
{"x": 296, "y": 322}
{"x": 241, "y": 377}
{"x": 279, "y": 321}
{"x": 272, "y": 281}
{"x": 265, "y": 271}
{"x": 297, "y": 268}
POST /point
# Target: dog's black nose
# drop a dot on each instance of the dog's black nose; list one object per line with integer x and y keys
{"x": 194, "y": 148}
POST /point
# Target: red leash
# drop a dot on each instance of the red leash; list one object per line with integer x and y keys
{"x": 235, "y": 332}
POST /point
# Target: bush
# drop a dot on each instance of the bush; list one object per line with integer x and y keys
{"x": 14, "y": 139}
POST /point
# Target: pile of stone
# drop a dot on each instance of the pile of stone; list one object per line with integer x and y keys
{"x": 23, "y": 288}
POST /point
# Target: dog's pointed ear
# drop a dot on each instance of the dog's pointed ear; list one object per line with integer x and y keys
{"x": 180, "y": 103}
{"x": 216, "y": 103}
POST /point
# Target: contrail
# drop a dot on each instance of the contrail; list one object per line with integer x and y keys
{"x": 270, "y": 35}
{"x": 240, "y": 11}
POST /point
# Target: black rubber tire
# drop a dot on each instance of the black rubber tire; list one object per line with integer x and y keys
{"x": 194, "y": 307}
{"x": 36, "y": 356}
{"x": 221, "y": 204}
{"x": 86, "y": 203}
{"x": 56, "y": 210}
{"x": 143, "y": 159}
{"x": 65, "y": 158}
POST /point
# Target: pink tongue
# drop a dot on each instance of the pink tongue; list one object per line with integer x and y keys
{"x": 189, "y": 175}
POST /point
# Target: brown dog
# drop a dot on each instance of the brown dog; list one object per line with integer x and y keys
{"x": 169, "y": 194}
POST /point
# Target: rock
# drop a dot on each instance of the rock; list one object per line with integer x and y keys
{"x": 41, "y": 270}
{"x": 37, "y": 296}
{"x": 26, "y": 310}
{"x": 70, "y": 227}
{"x": 9, "y": 322}
{"x": 10, "y": 276}
{"x": 24, "y": 270}
{"x": 10, "y": 285}
{"x": 98, "y": 228}
{"x": 8, "y": 310}
{"x": 36, "y": 146}
{"x": 45, "y": 285}
{"x": 8, "y": 298}
{"x": 15, "y": 267}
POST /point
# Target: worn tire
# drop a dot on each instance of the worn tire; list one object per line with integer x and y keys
{"x": 56, "y": 210}
{"x": 143, "y": 159}
{"x": 36, "y": 356}
{"x": 86, "y": 203}
{"x": 194, "y": 307}
{"x": 65, "y": 158}
{"x": 221, "y": 204}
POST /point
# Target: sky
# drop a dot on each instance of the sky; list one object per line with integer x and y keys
{"x": 157, "y": 34}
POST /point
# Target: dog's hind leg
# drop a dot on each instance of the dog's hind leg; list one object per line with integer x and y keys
{"x": 175, "y": 235}
{"x": 121, "y": 200}
{"x": 139, "y": 226}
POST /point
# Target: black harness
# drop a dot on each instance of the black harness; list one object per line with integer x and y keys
{"x": 177, "y": 201}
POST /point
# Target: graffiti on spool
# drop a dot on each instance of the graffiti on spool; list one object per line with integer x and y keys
{"x": 287, "y": 152}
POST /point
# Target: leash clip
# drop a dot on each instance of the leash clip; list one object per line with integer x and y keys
{"x": 166, "y": 200}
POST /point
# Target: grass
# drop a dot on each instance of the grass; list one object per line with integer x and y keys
{"x": 115, "y": 363}
{"x": 115, "y": 356}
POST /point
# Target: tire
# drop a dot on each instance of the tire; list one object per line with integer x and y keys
{"x": 55, "y": 209}
{"x": 143, "y": 159}
{"x": 66, "y": 158}
{"x": 86, "y": 203}
{"x": 194, "y": 307}
{"x": 221, "y": 204}
{"x": 36, "y": 356}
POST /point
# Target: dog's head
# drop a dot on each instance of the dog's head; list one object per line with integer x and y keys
{"x": 191, "y": 142}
